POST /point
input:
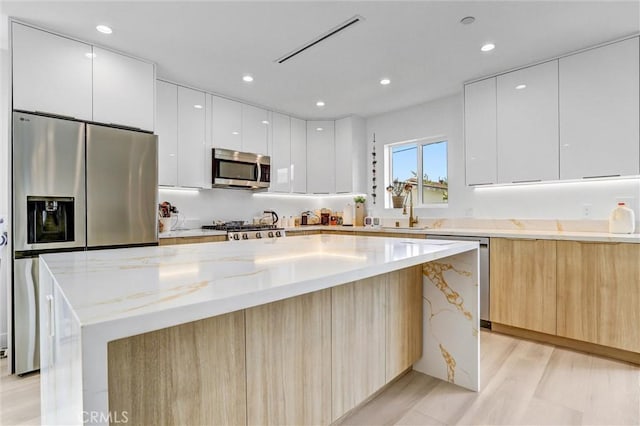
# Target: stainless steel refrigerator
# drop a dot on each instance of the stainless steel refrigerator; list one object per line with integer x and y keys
{"x": 76, "y": 186}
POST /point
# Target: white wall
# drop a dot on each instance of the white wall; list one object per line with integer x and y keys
{"x": 543, "y": 201}
{"x": 204, "y": 206}
{"x": 5, "y": 255}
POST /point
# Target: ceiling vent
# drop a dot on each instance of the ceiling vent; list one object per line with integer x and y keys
{"x": 330, "y": 33}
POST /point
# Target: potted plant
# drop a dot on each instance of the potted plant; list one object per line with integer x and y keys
{"x": 397, "y": 189}
{"x": 359, "y": 200}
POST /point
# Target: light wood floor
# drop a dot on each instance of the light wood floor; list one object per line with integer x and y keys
{"x": 523, "y": 383}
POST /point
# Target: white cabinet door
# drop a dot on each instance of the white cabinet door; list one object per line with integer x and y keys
{"x": 191, "y": 137}
{"x": 123, "y": 90}
{"x": 167, "y": 131}
{"x": 254, "y": 129}
{"x": 480, "y": 132}
{"x": 281, "y": 153}
{"x": 321, "y": 171}
{"x": 227, "y": 124}
{"x": 298, "y": 156}
{"x": 51, "y": 73}
{"x": 343, "y": 155}
{"x": 528, "y": 124}
{"x": 599, "y": 97}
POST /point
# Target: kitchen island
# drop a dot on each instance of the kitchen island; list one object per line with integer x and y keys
{"x": 292, "y": 330}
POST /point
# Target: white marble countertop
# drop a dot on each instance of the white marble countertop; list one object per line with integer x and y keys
{"x": 147, "y": 288}
{"x": 486, "y": 232}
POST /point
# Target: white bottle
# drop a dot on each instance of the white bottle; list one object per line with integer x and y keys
{"x": 622, "y": 220}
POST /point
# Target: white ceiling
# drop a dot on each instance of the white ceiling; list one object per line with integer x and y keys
{"x": 420, "y": 45}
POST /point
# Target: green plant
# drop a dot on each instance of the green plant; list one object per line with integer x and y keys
{"x": 359, "y": 199}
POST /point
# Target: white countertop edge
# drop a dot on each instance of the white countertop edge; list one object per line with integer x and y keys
{"x": 119, "y": 328}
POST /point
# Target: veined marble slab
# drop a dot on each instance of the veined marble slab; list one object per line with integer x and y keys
{"x": 104, "y": 295}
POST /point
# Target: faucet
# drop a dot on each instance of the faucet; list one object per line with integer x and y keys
{"x": 412, "y": 219}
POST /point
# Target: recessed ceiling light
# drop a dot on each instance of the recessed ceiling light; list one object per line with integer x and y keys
{"x": 90, "y": 55}
{"x": 521, "y": 86}
{"x": 265, "y": 122}
{"x": 488, "y": 47}
{"x": 467, "y": 20}
{"x": 235, "y": 133}
{"x": 320, "y": 104}
{"x": 385, "y": 81}
{"x": 319, "y": 129}
{"x": 104, "y": 29}
{"x": 248, "y": 78}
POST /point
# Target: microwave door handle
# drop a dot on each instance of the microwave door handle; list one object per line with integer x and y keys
{"x": 258, "y": 172}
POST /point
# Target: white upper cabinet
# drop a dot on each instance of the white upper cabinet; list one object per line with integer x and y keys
{"x": 227, "y": 124}
{"x": 123, "y": 90}
{"x": 51, "y": 73}
{"x": 480, "y": 132}
{"x": 280, "y": 153}
{"x": 599, "y": 97}
{"x": 298, "y": 156}
{"x": 527, "y": 117}
{"x": 321, "y": 172}
{"x": 167, "y": 131}
{"x": 350, "y": 154}
{"x": 191, "y": 138}
{"x": 255, "y": 125}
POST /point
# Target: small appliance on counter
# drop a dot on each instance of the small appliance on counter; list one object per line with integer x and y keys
{"x": 622, "y": 220}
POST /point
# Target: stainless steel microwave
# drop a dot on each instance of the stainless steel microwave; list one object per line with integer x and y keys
{"x": 240, "y": 170}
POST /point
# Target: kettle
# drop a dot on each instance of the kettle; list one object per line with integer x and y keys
{"x": 269, "y": 216}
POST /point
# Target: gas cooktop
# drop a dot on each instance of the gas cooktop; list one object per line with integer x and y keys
{"x": 237, "y": 231}
{"x": 238, "y": 226}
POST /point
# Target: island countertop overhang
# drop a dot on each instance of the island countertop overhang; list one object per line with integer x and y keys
{"x": 159, "y": 287}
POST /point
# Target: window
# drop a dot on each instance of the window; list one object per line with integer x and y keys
{"x": 424, "y": 157}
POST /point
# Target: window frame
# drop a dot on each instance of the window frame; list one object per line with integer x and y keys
{"x": 388, "y": 166}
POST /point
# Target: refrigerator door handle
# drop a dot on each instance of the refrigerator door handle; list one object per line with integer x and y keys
{"x": 52, "y": 317}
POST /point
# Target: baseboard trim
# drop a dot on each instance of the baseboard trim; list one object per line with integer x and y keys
{"x": 591, "y": 348}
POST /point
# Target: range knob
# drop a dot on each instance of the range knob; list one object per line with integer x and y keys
{"x": 245, "y": 236}
{"x": 270, "y": 234}
{"x": 278, "y": 234}
{"x": 236, "y": 237}
{"x": 258, "y": 235}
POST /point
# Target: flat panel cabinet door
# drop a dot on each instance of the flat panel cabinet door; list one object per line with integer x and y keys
{"x": 321, "y": 172}
{"x": 298, "y": 156}
{"x": 599, "y": 97}
{"x": 167, "y": 131}
{"x": 254, "y": 129}
{"x": 344, "y": 158}
{"x": 191, "y": 137}
{"x": 480, "y": 132}
{"x": 528, "y": 124}
{"x": 123, "y": 90}
{"x": 227, "y": 124}
{"x": 51, "y": 73}
{"x": 281, "y": 153}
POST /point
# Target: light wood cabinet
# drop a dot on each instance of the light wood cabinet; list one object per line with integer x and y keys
{"x": 280, "y": 153}
{"x": 358, "y": 331}
{"x": 167, "y": 131}
{"x": 51, "y": 73}
{"x": 599, "y": 115}
{"x": 480, "y": 132}
{"x": 321, "y": 171}
{"x": 123, "y": 90}
{"x": 289, "y": 361}
{"x": 191, "y": 137}
{"x": 404, "y": 320}
{"x": 599, "y": 293}
{"x": 523, "y": 283}
{"x": 298, "y": 156}
{"x": 527, "y": 122}
{"x": 227, "y": 124}
{"x": 188, "y": 374}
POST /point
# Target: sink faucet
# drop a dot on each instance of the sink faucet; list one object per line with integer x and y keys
{"x": 412, "y": 219}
